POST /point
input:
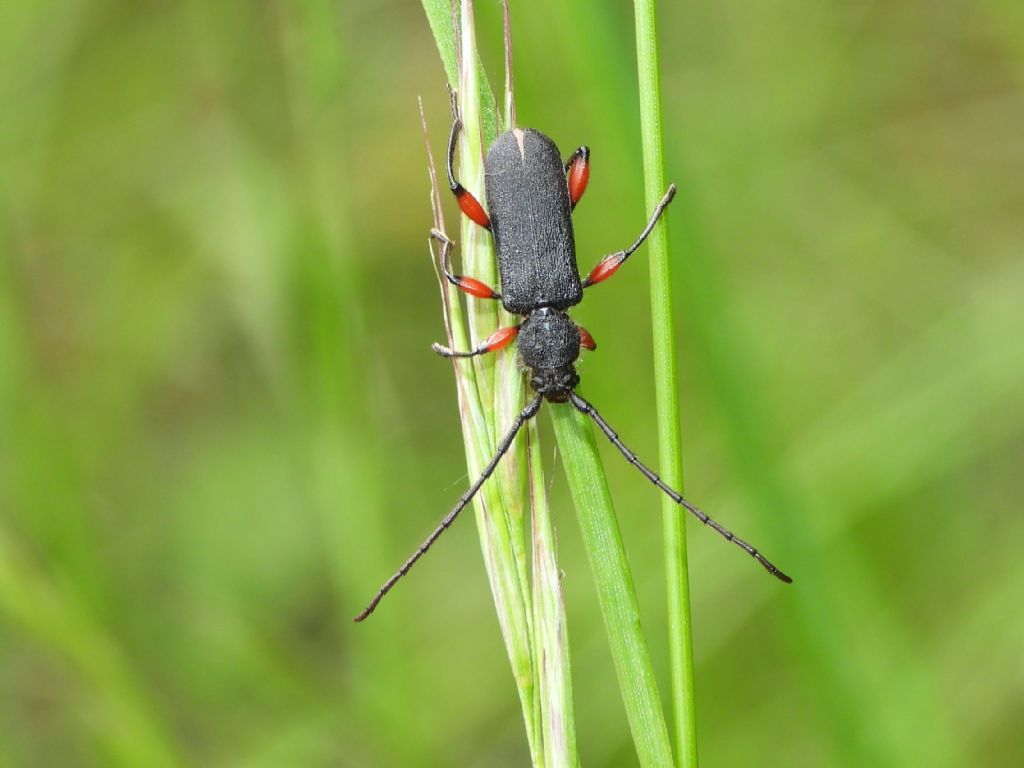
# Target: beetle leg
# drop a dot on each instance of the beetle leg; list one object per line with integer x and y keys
{"x": 500, "y": 338}
{"x": 469, "y": 285}
{"x": 469, "y": 204}
{"x": 577, "y": 168}
{"x": 586, "y": 340}
{"x": 610, "y": 263}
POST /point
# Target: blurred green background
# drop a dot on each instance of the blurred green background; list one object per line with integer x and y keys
{"x": 221, "y": 425}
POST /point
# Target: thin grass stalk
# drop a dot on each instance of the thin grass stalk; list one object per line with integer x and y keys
{"x": 684, "y": 720}
{"x": 488, "y": 403}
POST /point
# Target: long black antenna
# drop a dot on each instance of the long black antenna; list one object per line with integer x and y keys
{"x": 584, "y": 407}
{"x": 506, "y": 442}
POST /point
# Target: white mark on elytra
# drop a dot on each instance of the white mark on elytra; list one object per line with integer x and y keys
{"x": 520, "y": 137}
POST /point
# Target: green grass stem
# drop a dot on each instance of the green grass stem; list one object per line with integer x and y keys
{"x": 684, "y": 721}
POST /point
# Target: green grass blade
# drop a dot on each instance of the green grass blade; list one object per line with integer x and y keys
{"x": 614, "y": 582}
{"x": 442, "y": 25}
{"x": 684, "y": 719}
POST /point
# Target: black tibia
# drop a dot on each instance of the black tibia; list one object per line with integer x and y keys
{"x": 609, "y": 264}
{"x": 467, "y": 202}
{"x": 453, "y": 139}
{"x": 500, "y": 338}
{"x": 469, "y": 285}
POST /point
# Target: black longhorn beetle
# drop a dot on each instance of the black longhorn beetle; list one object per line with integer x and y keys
{"x": 531, "y": 196}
